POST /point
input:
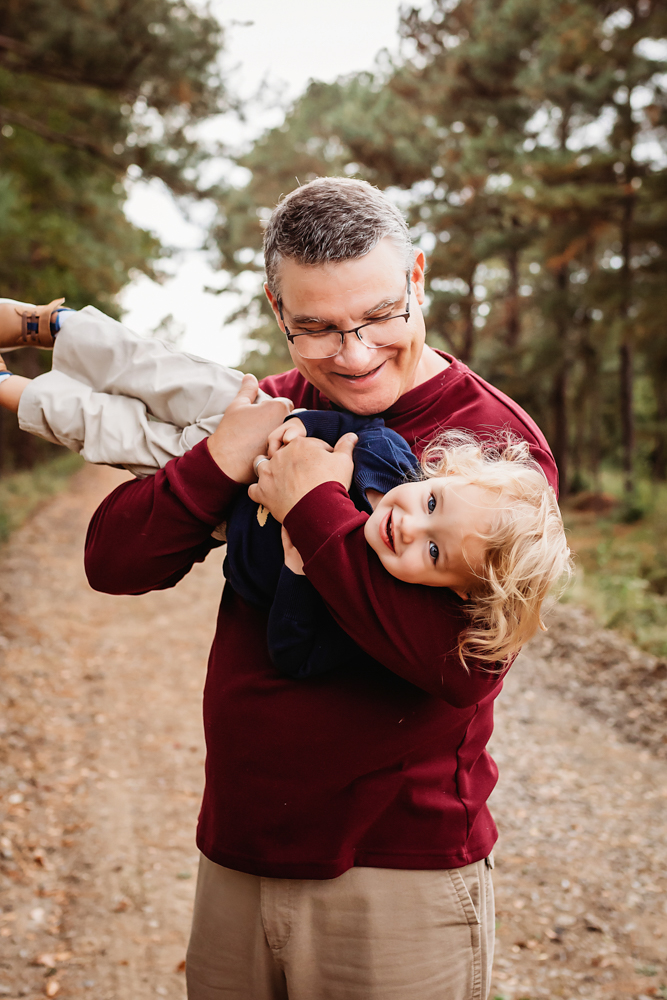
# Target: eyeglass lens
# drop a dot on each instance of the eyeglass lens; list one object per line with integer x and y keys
{"x": 325, "y": 345}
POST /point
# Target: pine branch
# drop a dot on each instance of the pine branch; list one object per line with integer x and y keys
{"x": 37, "y": 64}
{"x": 51, "y": 135}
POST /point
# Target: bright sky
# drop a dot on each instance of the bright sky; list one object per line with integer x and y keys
{"x": 288, "y": 43}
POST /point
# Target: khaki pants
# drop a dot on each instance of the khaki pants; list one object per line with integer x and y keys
{"x": 370, "y": 934}
{"x": 119, "y": 399}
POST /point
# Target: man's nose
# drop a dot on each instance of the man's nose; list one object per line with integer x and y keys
{"x": 353, "y": 355}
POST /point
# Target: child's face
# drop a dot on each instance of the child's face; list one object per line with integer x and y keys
{"x": 429, "y": 532}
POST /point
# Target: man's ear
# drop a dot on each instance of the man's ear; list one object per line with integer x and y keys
{"x": 273, "y": 302}
{"x": 417, "y": 276}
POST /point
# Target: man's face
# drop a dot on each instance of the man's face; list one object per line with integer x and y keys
{"x": 342, "y": 296}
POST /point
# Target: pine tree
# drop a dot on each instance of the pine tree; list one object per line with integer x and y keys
{"x": 517, "y": 136}
{"x": 88, "y": 92}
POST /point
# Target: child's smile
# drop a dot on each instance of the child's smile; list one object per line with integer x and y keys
{"x": 386, "y": 532}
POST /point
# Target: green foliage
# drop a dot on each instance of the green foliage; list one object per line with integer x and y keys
{"x": 21, "y": 493}
{"x": 86, "y": 92}
{"x": 89, "y": 92}
{"x": 623, "y": 564}
{"x": 520, "y": 136}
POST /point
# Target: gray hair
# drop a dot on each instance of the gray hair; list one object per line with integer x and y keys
{"x": 332, "y": 219}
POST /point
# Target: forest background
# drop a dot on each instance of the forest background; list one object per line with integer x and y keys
{"x": 526, "y": 140}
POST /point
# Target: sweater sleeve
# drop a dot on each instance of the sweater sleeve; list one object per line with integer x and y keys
{"x": 412, "y": 630}
{"x": 303, "y": 638}
{"x": 148, "y": 533}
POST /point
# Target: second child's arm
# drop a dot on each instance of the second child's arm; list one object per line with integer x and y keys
{"x": 103, "y": 429}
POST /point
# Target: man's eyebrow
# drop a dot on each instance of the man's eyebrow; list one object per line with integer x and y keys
{"x": 303, "y": 318}
{"x": 385, "y": 304}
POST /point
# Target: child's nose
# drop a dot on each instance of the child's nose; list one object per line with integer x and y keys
{"x": 407, "y": 529}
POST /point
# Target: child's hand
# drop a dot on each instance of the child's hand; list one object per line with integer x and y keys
{"x": 293, "y": 560}
{"x": 282, "y": 435}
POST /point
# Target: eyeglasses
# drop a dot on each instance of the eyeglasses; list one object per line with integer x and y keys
{"x": 378, "y": 333}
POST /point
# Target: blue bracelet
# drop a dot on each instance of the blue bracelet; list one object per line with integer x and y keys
{"x": 4, "y": 375}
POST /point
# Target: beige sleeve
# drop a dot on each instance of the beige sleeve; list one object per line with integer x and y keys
{"x": 104, "y": 429}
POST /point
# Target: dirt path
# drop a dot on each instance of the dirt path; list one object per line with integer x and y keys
{"x": 101, "y": 771}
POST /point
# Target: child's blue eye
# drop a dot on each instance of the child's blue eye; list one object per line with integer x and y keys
{"x": 431, "y": 504}
{"x": 433, "y": 551}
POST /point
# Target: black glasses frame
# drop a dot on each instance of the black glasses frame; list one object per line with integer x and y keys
{"x": 293, "y": 337}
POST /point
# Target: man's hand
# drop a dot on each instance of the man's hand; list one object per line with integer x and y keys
{"x": 298, "y": 468}
{"x": 244, "y": 429}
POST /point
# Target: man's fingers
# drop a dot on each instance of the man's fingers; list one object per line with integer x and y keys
{"x": 254, "y": 493}
{"x": 249, "y": 389}
{"x": 257, "y": 464}
{"x": 346, "y": 444}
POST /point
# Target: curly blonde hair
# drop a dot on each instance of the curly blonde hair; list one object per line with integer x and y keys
{"x": 526, "y": 551}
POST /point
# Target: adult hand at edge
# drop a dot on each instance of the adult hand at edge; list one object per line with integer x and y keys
{"x": 244, "y": 429}
{"x": 300, "y": 467}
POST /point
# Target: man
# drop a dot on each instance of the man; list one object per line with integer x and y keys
{"x": 344, "y": 830}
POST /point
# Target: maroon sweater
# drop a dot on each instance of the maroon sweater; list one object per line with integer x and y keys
{"x": 385, "y": 767}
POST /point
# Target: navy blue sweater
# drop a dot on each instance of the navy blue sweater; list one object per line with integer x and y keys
{"x": 303, "y": 638}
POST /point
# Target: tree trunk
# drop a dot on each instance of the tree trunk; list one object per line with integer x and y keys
{"x": 468, "y": 341}
{"x": 626, "y": 366}
{"x": 592, "y": 407}
{"x": 660, "y": 451}
{"x": 627, "y": 355}
{"x": 560, "y": 386}
{"x": 26, "y": 455}
{"x": 512, "y": 326}
{"x": 560, "y": 445}
{"x": 627, "y": 414}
